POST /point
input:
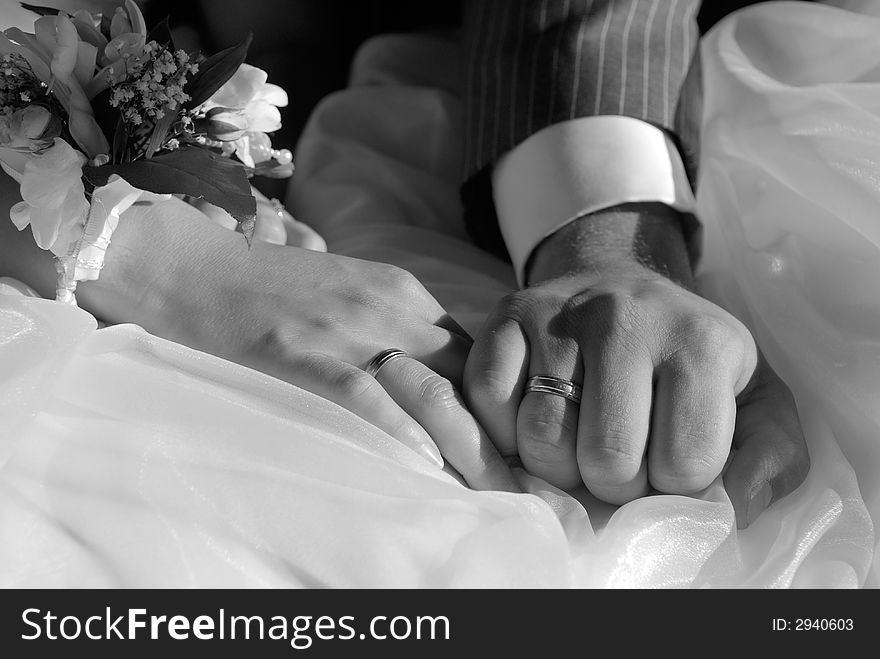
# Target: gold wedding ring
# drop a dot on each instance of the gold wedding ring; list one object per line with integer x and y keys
{"x": 377, "y": 362}
{"x": 546, "y": 384}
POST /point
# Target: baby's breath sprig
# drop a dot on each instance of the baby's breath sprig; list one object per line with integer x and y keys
{"x": 151, "y": 86}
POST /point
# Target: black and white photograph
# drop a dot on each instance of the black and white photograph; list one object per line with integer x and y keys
{"x": 452, "y": 294}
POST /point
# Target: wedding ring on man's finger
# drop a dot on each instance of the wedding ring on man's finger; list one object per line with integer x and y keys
{"x": 547, "y": 384}
{"x": 382, "y": 358}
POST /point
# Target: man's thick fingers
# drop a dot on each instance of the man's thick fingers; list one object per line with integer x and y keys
{"x": 438, "y": 407}
{"x": 351, "y": 388}
{"x": 771, "y": 458}
{"x": 546, "y": 436}
{"x": 615, "y": 420}
{"x": 694, "y": 415}
{"x": 547, "y": 423}
{"x": 494, "y": 378}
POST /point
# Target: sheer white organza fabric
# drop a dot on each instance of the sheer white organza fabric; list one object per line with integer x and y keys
{"x": 126, "y": 460}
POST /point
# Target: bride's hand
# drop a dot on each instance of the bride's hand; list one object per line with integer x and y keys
{"x": 310, "y": 318}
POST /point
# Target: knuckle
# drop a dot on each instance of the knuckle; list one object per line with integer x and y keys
{"x": 706, "y": 339}
{"x": 515, "y": 305}
{"x": 313, "y": 363}
{"x": 547, "y": 438}
{"x": 437, "y": 392}
{"x": 547, "y": 431}
{"x": 278, "y": 339}
{"x": 683, "y": 473}
{"x": 613, "y": 317}
{"x": 616, "y": 306}
{"x": 353, "y": 384}
{"x": 401, "y": 282}
{"x": 486, "y": 386}
{"x": 356, "y": 301}
{"x": 797, "y": 463}
{"x": 611, "y": 455}
{"x": 548, "y": 416}
{"x": 283, "y": 343}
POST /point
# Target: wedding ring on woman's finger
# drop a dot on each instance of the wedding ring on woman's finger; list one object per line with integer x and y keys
{"x": 436, "y": 405}
{"x": 382, "y": 358}
{"x": 547, "y": 384}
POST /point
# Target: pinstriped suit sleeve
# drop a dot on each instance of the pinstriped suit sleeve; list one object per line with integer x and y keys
{"x": 534, "y": 63}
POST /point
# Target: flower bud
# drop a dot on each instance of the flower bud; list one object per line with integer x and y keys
{"x": 38, "y": 123}
{"x": 119, "y": 23}
{"x": 31, "y": 128}
{"x": 225, "y": 125}
{"x": 126, "y": 45}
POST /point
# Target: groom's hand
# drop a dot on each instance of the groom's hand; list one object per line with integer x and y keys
{"x": 662, "y": 371}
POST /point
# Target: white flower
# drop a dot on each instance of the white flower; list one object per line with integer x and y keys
{"x": 225, "y": 125}
{"x": 14, "y": 162}
{"x": 54, "y": 203}
{"x": 258, "y": 100}
{"x": 59, "y": 58}
{"x": 126, "y": 45}
{"x": 248, "y": 95}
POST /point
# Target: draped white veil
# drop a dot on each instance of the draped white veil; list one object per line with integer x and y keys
{"x": 126, "y": 460}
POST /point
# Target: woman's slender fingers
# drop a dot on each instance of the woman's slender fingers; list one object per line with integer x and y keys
{"x": 494, "y": 377}
{"x": 359, "y": 393}
{"x": 436, "y": 405}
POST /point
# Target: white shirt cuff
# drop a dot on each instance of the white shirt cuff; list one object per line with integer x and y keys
{"x": 576, "y": 167}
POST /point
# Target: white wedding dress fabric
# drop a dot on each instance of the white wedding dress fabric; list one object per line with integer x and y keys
{"x": 130, "y": 461}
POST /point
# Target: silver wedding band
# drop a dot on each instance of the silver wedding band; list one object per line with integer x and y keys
{"x": 546, "y": 384}
{"x": 377, "y": 362}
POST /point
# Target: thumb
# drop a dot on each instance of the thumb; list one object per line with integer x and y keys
{"x": 771, "y": 458}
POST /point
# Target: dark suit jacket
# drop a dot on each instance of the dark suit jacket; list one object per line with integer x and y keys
{"x": 533, "y": 63}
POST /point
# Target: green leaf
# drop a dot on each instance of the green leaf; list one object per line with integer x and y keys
{"x": 106, "y": 22}
{"x": 190, "y": 171}
{"x": 247, "y": 227}
{"x": 42, "y": 11}
{"x": 215, "y": 71}
{"x": 160, "y": 131}
{"x": 120, "y": 142}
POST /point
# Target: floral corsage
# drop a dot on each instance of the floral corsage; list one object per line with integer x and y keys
{"x": 97, "y": 112}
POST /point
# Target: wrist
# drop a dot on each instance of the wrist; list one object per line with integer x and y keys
{"x": 646, "y": 237}
{"x": 164, "y": 270}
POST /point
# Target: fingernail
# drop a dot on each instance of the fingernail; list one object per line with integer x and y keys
{"x": 759, "y": 502}
{"x": 431, "y": 452}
